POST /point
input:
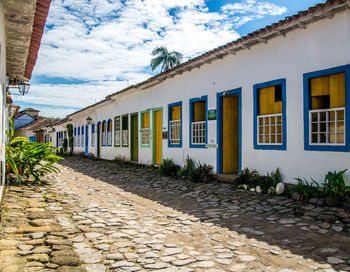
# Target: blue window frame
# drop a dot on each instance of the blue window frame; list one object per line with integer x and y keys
{"x": 78, "y": 136}
{"x": 326, "y": 144}
{"x": 109, "y": 132}
{"x": 75, "y": 136}
{"x": 93, "y": 135}
{"x": 198, "y": 128}
{"x": 104, "y": 134}
{"x": 270, "y": 130}
{"x": 175, "y": 126}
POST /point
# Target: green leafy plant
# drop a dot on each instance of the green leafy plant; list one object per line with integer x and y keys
{"x": 334, "y": 186}
{"x": 188, "y": 168}
{"x": 195, "y": 173}
{"x": 306, "y": 189}
{"x": 70, "y": 138}
{"x": 168, "y": 168}
{"x": 26, "y": 159}
{"x": 65, "y": 145}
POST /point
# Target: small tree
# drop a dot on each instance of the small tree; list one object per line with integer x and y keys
{"x": 70, "y": 138}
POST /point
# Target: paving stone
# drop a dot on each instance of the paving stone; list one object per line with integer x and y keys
{"x": 246, "y": 258}
{"x": 66, "y": 260}
{"x": 158, "y": 265}
{"x": 114, "y": 256}
{"x": 95, "y": 268}
{"x": 71, "y": 269}
{"x": 172, "y": 251}
{"x": 25, "y": 247}
{"x": 334, "y": 260}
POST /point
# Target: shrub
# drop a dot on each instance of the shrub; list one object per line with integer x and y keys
{"x": 168, "y": 168}
{"x": 65, "y": 145}
{"x": 25, "y": 159}
{"x": 246, "y": 177}
{"x": 334, "y": 186}
{"x": 195, "y": 173}
{"x": 305, "y": 189}
{"x": 253, "y": 179}
{"x": 188, "y": 168}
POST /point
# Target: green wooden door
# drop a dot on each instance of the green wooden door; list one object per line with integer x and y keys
{"x": 134, "y": 138}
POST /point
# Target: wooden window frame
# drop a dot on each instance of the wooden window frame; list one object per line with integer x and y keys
{"x": 120, "y": 126}
{"x": 125, "y": 145}
{"x": 307, "y": 106}
{"x": 256, "y": 89}
{"x": 192, "y": 101}
{"x": 170, "y": 106}
{"x": 149, "y": 129}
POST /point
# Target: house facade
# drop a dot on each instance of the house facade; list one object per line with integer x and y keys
{"x": 21, "y": 26}
{"x": 276, "y": 98}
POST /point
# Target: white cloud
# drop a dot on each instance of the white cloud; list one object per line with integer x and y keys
{"x": 100, "y": 41}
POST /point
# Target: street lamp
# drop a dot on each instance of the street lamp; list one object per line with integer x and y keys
{"x": 89, "y": 121}
{"x": 23, "y": 87}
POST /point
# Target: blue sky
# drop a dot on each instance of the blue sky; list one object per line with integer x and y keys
{"x": 92, "y": 48}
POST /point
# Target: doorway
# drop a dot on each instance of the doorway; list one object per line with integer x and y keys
{"x": 134, "y": 147}
{"x": 229, "y": 131}
{"x": 86, "y": 140}
{"x": 99, "y": 140}
{"x": 157, "y": 135}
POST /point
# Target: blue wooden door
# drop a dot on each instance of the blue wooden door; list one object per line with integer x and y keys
{"x": 86, "y": 140}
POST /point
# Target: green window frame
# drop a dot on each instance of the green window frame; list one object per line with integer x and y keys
{"x": 145, "y": 131}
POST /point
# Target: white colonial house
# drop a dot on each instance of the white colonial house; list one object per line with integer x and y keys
{"x": 276, "y": 98}
{"x": 21, "y": 26}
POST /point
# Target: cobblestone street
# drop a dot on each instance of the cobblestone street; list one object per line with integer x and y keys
{"x": 102, "y": 216}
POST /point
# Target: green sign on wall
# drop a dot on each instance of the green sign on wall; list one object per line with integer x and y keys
{"x": 211, "y": 114}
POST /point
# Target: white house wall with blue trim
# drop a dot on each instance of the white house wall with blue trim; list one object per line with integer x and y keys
{"x": 286, "y": 59}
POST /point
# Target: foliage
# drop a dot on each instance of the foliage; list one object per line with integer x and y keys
{"x": 65, "y": 145}
{"x": 188, "y": 169}
{"x": 165, "y": 58}
{"x": 306, "y": 189}
{"x": 246, "y": 177}
{"x": 196, "y": 173}
{"x": 26, "y": 159}
{"x": 204, "y": 171}
{"x": 168, "y": 167}
{"x": 253, "y": 179}
{"x": 70, "y": 137}
{"x": 334, "y": 186}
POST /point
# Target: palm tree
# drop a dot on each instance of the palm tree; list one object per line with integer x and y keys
{"x": 165, "y": 58}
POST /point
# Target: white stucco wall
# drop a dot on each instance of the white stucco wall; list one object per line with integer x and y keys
{"x": 323, "y": 44}
{"x": 3, "y": 111}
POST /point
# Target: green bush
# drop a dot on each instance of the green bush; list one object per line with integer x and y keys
{"x": 196, "y": 173}
{"x": 333, "y": 189}
{"x": 334, "y": 186}
{"x": 26, "y": 159}
{"x": 168, "y": 168}
{"x": 253, "y": 179}
{"x": 65, "y": 145}
{"x": 306, "y": 189}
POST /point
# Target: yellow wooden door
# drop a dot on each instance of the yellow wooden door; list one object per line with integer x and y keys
{"x": 230, "y": 134}
{"x": 158, "y": 137}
